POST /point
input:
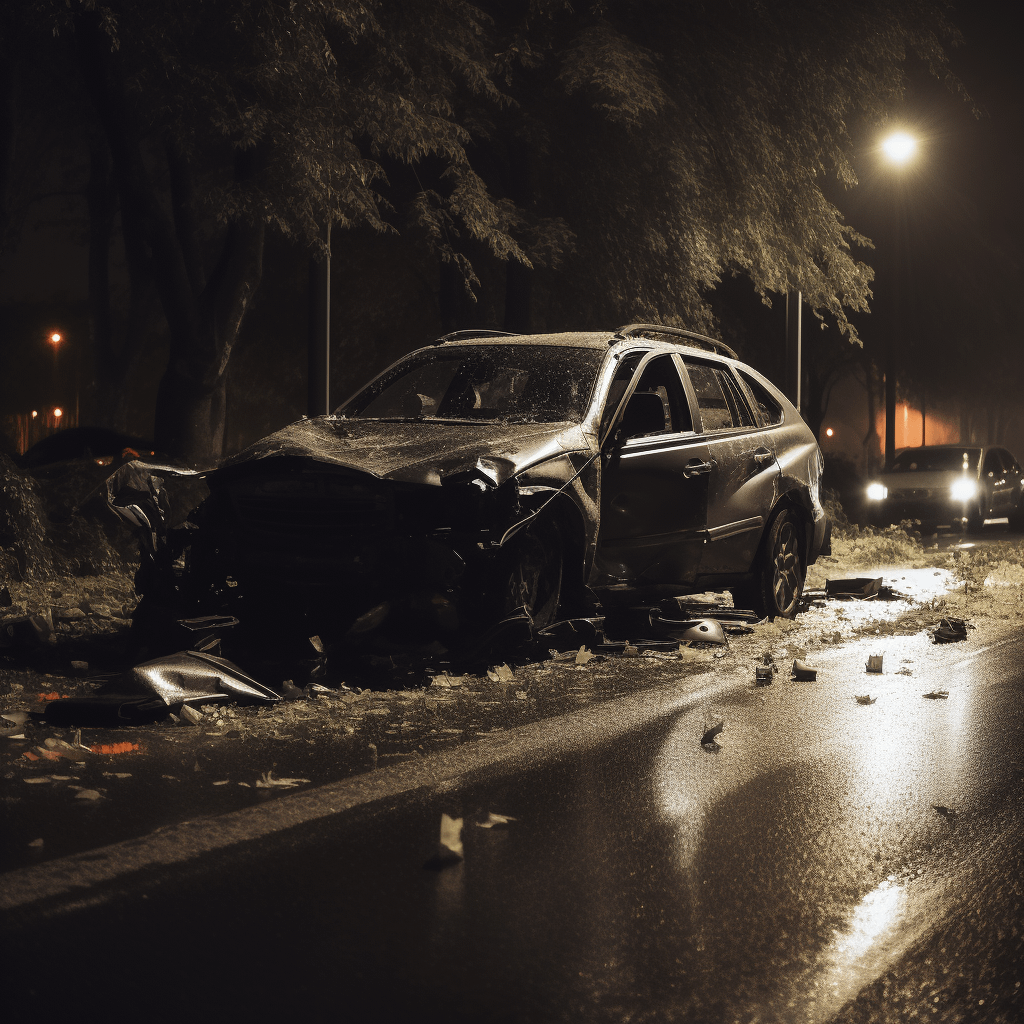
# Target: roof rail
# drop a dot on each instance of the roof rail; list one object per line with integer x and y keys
{"x": 461, "y": 335}
{"x": 716, "y": 346}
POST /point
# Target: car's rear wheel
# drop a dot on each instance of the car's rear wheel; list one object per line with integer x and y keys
{"x": 779, "y": 581}
{"x": 535, "y": 578}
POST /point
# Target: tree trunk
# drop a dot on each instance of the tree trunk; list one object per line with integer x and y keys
{"x": 204, "y": 313}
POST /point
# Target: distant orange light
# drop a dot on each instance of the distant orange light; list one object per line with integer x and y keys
{"x": 55, "y": 338}
{"x": 34, "y": 414}
{"x": 58, "y": 413}
{"x": 828, "y": 433}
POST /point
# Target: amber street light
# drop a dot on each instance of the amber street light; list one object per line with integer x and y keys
{"x": 55, "y": 338}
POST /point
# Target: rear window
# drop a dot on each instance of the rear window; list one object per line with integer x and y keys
{"x": 770, "y": 408}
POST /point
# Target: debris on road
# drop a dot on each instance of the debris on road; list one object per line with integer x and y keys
{"x": 936, "y": 695}
{"x": 950, "y": 631}
{"x": 708, "y": 740}
{"x": 861, "y": 588}
{"x": 449, "y": 846}
{"x": 874, "y": 663}
{"x": 866, "y": 699}
{"x": 804, "y": 673}
{"x": 764, "y": 674}
{"x": 493, "y": 819}
{"x": 267, "y": 781}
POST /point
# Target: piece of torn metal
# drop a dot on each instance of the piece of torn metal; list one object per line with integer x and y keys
{"x": 862, "y": 588}
{"x": 874, "y": 663}
{"x": 191, "y": 676}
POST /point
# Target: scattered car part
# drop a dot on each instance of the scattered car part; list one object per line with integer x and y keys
{"x": 950, "y": 631}
{"x": 709, "y": 739}
{"x": 874, "y": 663}
{"x": 861, "y": 588}
{"x": 866, "y": 699}
{"x": 936, "y": 695}
{"x": 804, "y": 673}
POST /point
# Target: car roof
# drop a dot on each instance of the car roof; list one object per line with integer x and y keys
{"x": 603, "y": 340}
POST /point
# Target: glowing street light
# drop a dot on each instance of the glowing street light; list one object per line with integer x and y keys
{"x": 829, "y": 432}
{"x": 58, "y": 412}
{"x": 899, "y": 147}
{"x": 56, "y": 338}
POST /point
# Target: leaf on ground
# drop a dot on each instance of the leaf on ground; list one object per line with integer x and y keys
{"x": 500, "y": 674}
{"x": 38, "y": 779}
{"x": 89, "y": 794}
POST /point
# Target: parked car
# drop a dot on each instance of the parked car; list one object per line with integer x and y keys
{"x": 959, "y": 486}
{"x": 490, "y": 472}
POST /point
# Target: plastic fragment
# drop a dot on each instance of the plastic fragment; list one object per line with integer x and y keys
{"x": 804, "y": 673}
{"x": 449, "y": 846}
{"x": 493, "y": 819}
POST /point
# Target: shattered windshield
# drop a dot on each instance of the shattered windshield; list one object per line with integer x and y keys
{"x": 937, "y": 460}
{"x": 508, "y": 383}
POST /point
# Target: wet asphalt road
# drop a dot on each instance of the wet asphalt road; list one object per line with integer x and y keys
{"x": 830, "y": 857}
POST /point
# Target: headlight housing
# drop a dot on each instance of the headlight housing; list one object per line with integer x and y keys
{"x": 963, "y": 489}
{"x": 876, "y": 492}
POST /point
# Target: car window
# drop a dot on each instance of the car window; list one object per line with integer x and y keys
{"x": 770, "y": 408}
{"x": 722, "y": 406}
{"x": 660, "y": 377}
{"x": 511, "y": 383}
{"x": 993, "y": 464}
{"x": 623, "y": 375}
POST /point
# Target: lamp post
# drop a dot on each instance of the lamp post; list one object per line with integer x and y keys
{"x": 898, "y": 149}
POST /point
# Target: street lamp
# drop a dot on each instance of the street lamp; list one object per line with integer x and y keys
{"x": 898, "y": 149}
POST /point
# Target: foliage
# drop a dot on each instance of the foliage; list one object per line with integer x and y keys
{"x": 621, "y": 155}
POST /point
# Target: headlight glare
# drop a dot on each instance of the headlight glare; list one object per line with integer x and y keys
{"x": 876, "y": 492}
{"x": 963, "y": 489}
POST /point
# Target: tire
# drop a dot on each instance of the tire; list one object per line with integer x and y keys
{"x": 779, "y": 573}
{"x": 536, "y": 576}
{"x": 1017, "y": 517}
{"x": 975, "y": 520}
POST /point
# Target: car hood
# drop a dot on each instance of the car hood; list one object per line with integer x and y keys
{"x": 416, "y": 451}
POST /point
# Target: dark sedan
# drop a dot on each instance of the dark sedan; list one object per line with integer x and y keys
{"x": 960, "y": 486}
{"x": 489, "y": 473}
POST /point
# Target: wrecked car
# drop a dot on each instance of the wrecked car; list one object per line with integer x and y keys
{"x": 491, "y": 473}
{"x": 959, "y": 486}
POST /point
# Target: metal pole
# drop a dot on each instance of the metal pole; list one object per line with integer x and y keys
{"x": 319, "y": 337}
{"x": 794, "y": 345}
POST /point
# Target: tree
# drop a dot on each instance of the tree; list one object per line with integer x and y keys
{"x": 602, "y": 162}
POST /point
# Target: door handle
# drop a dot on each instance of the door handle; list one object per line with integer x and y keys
{"x": 697, "y": 468}
{"x": 762, "y": 455}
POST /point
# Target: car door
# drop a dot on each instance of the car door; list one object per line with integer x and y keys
{"x": 993, "y": 485}
{"x": 654, "y": 484}
{"x": 1003, "y": 484}
{"x": 744, "y": 474}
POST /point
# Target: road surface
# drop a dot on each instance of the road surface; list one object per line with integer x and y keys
{"x": 826, "y": 857}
